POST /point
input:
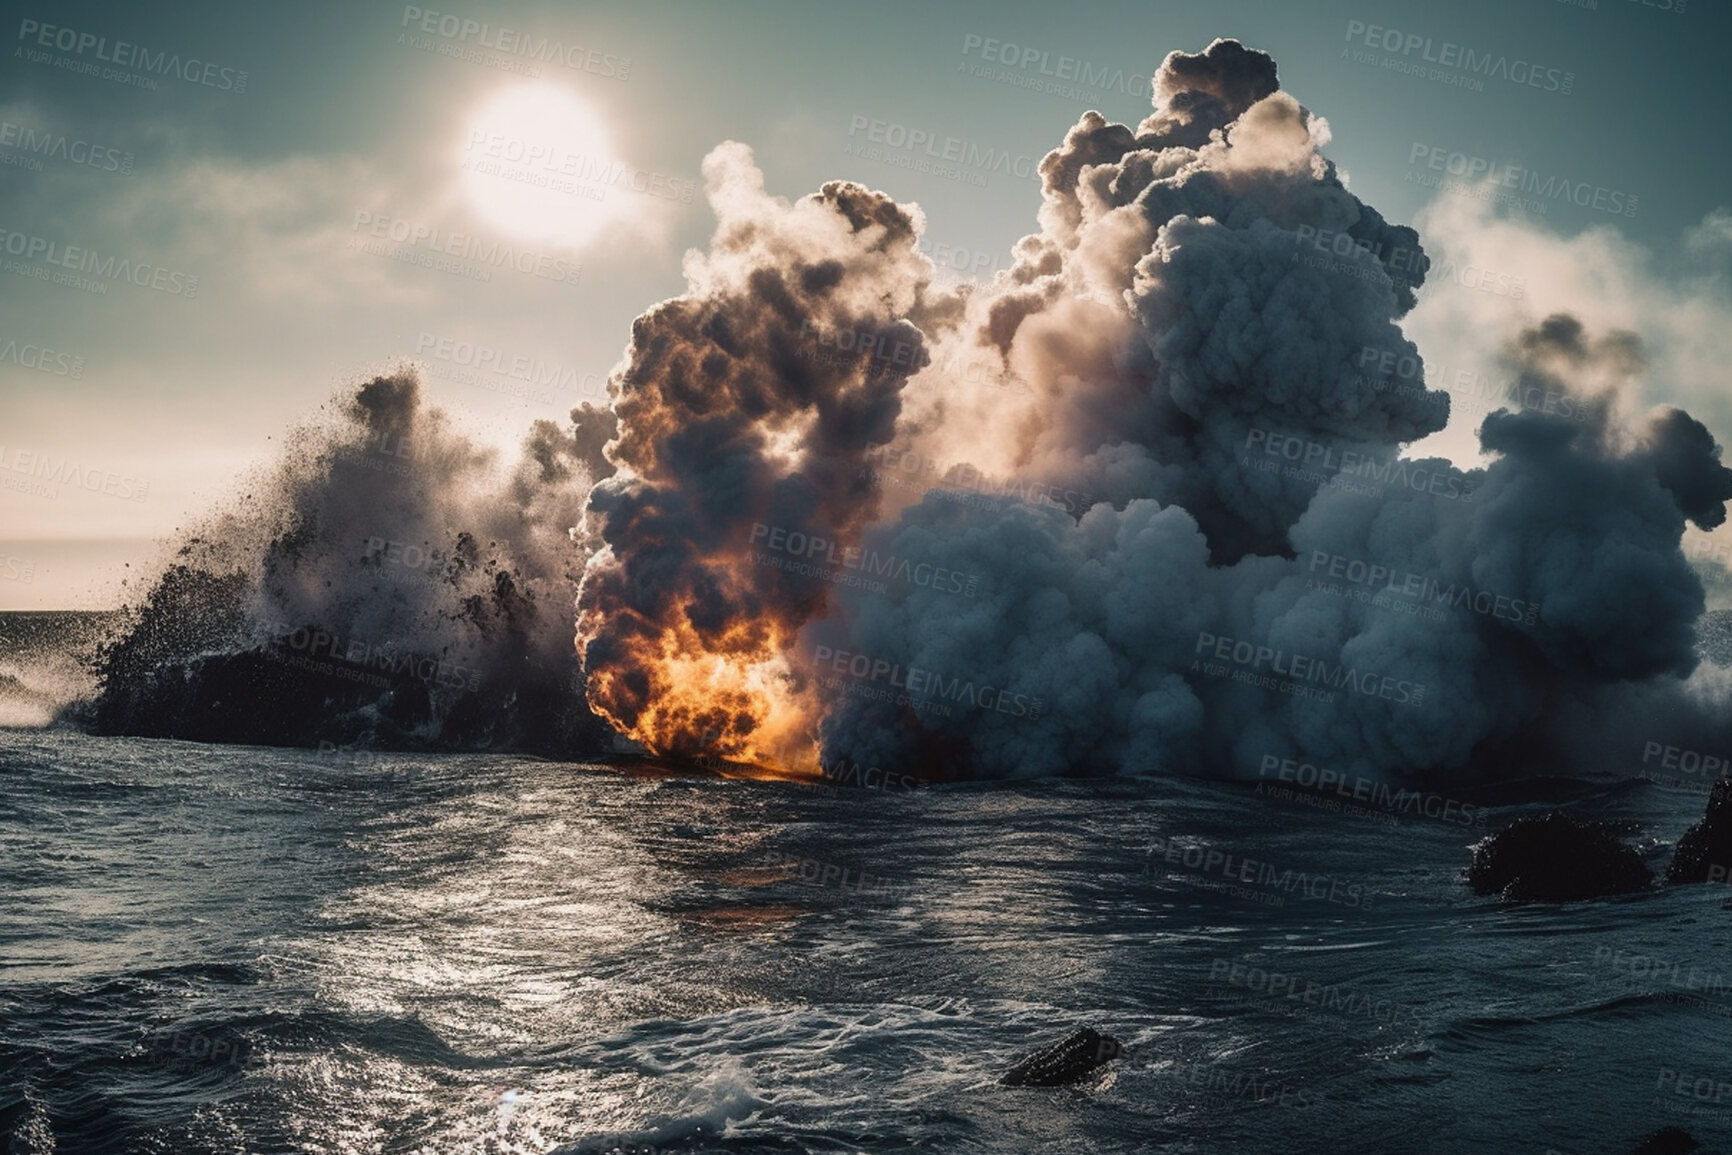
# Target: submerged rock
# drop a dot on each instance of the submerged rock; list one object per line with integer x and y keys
{"x": 1555, "y": 859}
{"x": 1066, "y": 1061}
{"x": 1668, "y": 1141}
{"x": 1704, "y": 853}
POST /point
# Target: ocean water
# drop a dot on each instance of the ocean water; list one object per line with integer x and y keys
{"x": 238, "y": 949}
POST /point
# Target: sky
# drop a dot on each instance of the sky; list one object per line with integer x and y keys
{"x": 213, "y": 218}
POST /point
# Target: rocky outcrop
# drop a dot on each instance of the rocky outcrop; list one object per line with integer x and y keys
{"x": 1555, "y": 859}
{"x": 1069, "y": 1060}
{"x": 1704, "y": 853}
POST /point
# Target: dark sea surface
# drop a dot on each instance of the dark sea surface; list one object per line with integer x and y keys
{"x": 237, "y": 949}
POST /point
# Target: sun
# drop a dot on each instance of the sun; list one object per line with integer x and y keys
{"x": 537, "y": 163}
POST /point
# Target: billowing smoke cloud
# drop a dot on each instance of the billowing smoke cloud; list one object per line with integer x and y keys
{"x": 1449, "y": 630}
{"x": 1158, "y": 461}
{"x": 1200, "y": 280}
{"x": 747, "y": 406}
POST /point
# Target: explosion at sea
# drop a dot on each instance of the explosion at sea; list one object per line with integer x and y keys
{"x": 1136, "y": 506}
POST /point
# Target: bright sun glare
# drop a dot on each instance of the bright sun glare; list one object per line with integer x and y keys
{"x": 537, "y": 163}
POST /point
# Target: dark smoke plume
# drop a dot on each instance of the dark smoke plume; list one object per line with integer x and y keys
{"x": 752, "y": 401}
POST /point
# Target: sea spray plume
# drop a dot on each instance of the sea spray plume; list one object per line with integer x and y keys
{"x": 440, "y": 582}
{"x": 750, "y": 402}
{"x": 45, "y": 665}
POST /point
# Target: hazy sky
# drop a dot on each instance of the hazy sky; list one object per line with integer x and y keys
{"x": 248, "y": 207}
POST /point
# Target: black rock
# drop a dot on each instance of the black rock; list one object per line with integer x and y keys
{"x": 1555, "y": 859}
{"x": 1668, "y": 1141}
{"x": 1704, "y": 853}
{"x": 273, "y": 696}
{"x": 1066, "y": 1061}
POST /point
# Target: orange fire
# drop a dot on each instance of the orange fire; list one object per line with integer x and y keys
{"x": 753, "y": 399}
{"x": 732, "y": 696}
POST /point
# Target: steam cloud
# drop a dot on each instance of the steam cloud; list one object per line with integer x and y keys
{"x": 1194, "y": 350}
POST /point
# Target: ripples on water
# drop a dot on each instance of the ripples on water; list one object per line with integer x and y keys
{"x": 237, "y": 949}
